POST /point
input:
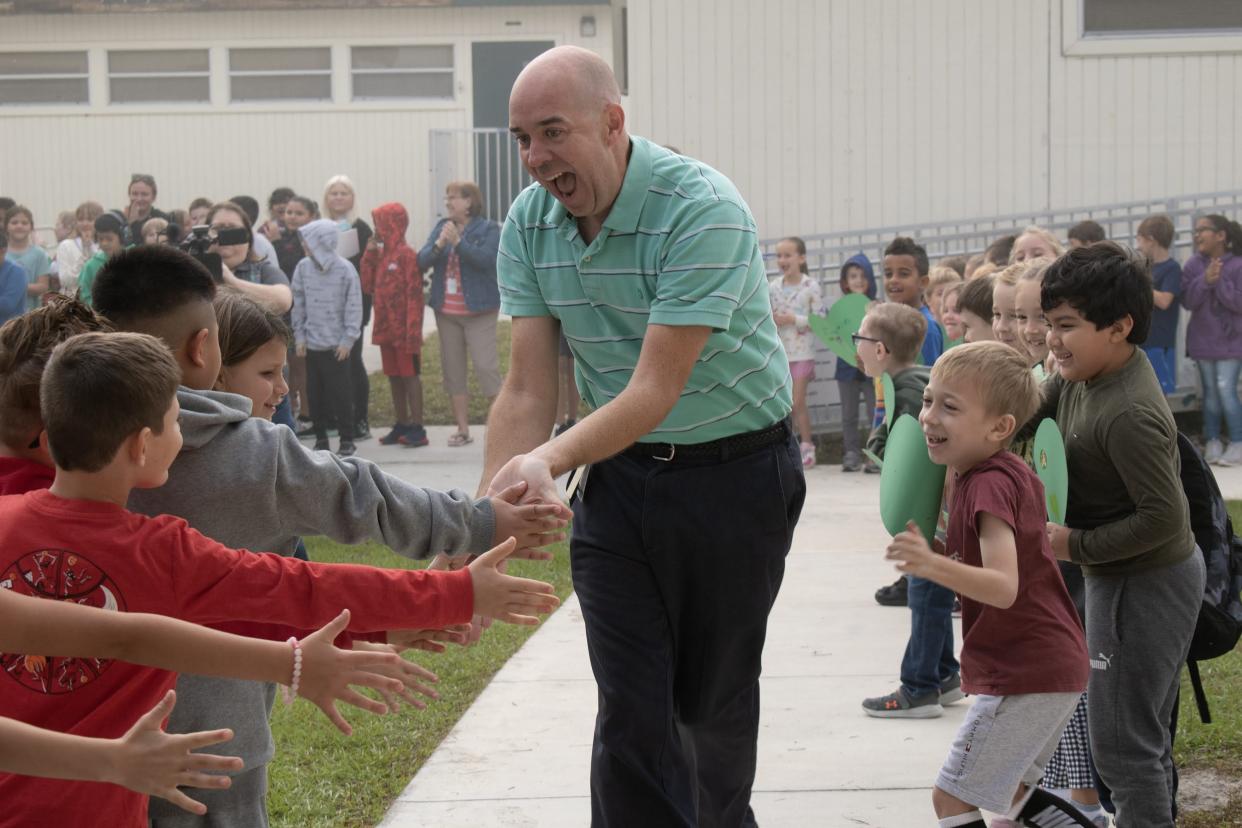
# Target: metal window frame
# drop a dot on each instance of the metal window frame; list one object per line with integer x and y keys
{"x": 1076, "y": 42}
{"x": 109, "y": 76}
{"x": 232, "y": 73}
{"x": 86, "y": 76}
{"x": 450, "y": 70}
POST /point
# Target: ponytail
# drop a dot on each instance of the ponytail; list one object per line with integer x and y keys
{"x": 1231, "y": 229}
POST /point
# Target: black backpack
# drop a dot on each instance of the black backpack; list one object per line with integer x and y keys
{"x": 1220, "y": 616}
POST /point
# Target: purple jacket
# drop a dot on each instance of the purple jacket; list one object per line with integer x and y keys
{"x": 1215, "y": 328}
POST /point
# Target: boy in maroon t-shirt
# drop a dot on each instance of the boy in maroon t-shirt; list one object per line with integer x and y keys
{"x": 1024, "y": 657}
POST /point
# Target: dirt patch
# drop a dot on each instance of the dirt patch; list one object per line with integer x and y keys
{"x": 1206, "y": 790}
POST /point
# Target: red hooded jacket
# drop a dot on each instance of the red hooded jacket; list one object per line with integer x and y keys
{"x": 392, "y": 277}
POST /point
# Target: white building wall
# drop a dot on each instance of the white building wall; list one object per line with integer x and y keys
{"x": 53, "y": 159}
{"x": 843, "y": 114}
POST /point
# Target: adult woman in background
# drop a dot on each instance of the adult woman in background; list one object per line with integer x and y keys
{"x": 339, "y": 200}
{"x": 73, "y": 252}
{"x": 142, "y": 193}
{"x": 462, "y": 248}
{"x": 245, "y": 272}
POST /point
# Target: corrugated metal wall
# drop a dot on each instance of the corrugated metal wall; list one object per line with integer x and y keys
{"x": 54, "y": 160}
{"x": 854, "y": 113}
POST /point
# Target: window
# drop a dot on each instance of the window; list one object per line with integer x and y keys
{"x": 401, "y": 72}
{"x": 163, "y": 76}
{"x": 280, "y": 74}
{"x": 1132, "y": 17}
{"x": 43, "y": 78}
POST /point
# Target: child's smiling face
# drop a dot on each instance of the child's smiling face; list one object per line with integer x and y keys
{"x": 959, "y": 430}
{"x": 1032, "y": 326}
{"x": 260, "y": 377}
{"x": 1084, "y": 352}
{"x": 902, "y": 281}
{"x": 1004, "y": 314}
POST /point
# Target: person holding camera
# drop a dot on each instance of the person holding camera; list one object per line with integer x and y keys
{"x": 243, "y": 271}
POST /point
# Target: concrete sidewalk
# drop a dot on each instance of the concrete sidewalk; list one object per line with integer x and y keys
{"x": 520, "y": 756}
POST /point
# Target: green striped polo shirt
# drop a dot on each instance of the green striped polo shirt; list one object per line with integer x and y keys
{"x": 679, "y": 247}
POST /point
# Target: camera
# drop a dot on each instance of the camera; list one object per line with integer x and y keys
{"x": 198, "y": 241}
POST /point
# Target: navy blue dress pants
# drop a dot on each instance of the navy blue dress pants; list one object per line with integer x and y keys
{"x": 677, "y": 565}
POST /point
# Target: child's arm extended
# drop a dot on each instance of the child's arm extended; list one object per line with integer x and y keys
{"x": 58, "y": 628}
{"x": 146, "y": 759}
{"x": 994, "y": 583}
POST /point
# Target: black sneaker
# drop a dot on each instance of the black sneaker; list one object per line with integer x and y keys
{"x": 393, "y": 437}
{"x": 322, "y": 445}
{"x": 346, "y": 449}
{"x": 893, "y": 595}
{"x": 414, "y": 436}
{"x": 951, "y": 689}
{"x": 362, "y": 431}
{"x": 899, "y": 705}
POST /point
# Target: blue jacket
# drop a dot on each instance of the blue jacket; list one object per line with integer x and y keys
{"x": 846, "y": 371}
{"x": 12, "y": 290}
{"x": 477, "y": 250}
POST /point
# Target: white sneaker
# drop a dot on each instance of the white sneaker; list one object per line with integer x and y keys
{"x": 1213, "y": 451}
{"x": 1232, "y": 455}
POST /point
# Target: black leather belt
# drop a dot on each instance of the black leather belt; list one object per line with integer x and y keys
{"x": 720, "y": 450}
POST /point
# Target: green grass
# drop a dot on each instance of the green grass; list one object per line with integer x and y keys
{"x": 436, "y": 410}
{"x": 1216, "y": 746}
{"x": 322, "y": 778}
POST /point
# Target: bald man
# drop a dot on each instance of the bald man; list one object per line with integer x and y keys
{"x": 648, "y": 262}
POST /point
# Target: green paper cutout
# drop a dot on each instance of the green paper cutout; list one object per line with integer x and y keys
{"x": 1048, "y": 456}
{"x": 890, "y": 399}
{"x": 911, "y": 485}
{"x": 842, "y": 322}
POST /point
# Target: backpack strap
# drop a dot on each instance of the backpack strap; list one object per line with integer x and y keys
{"x": 1201, "y": 701}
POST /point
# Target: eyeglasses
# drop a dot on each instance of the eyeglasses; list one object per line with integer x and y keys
{"x": 856, "y": 338}
{"x": 1199, "y": 230}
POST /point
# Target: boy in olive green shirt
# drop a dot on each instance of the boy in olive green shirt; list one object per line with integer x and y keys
{"x": 1127, "y": 519}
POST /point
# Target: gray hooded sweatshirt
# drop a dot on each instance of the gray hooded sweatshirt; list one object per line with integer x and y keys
{"x": 327, "y": 296}
{"x": 249, "y": 484}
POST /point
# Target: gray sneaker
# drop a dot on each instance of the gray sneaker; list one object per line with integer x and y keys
{"x": 1213, "y": 451}
{"x": 898, "y": 705}
{"x": 951, "y": 689}
{"x": 1232, "y": 455}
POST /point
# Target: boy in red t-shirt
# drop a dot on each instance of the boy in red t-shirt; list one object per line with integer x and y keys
{"x": 111, "y": 420}
{"x": 1024, "y": 657}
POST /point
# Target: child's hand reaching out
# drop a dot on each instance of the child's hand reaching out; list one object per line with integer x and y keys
{"x": 152, "y": 762}
{"x": 534, "y": 524}
{"x": 504, "y": 597}
{"x": 328, "y": 672}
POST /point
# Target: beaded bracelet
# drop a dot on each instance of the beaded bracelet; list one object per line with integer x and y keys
{"x": 291, "y": 692}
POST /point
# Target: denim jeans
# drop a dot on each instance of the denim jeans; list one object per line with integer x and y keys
{"x": 929, "y": 652}
{"x": 1219, "y": 378}
{"x": 1164, "y": 362}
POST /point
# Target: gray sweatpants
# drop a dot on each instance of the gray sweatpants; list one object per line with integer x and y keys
{"x": 242, "y": 805}
{"x": 1138, "y": 634}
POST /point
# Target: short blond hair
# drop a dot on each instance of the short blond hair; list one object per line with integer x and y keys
{"x": 942, "y": 276}
{"x": 900, "y": 327}
{"x": 1002, "y": 376}
{"x": 1048, "y": 237}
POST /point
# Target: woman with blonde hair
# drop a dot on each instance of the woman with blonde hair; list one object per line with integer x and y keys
{"x": 462, "y": 248}
{"x": 339, "y": 202}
